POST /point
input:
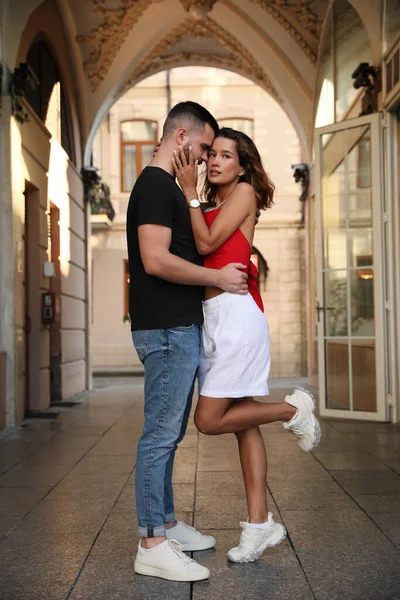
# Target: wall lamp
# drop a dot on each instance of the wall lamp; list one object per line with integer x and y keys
{"x": 368, "y": 77}
{"x": 22, "y": 79}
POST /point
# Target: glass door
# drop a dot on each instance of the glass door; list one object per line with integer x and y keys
{"x": 350, "y": 308}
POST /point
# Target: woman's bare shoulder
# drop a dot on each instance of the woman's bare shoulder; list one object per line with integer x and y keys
{"x": 244, "y": 191}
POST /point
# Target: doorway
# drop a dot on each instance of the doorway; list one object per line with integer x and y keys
{"x": 31, "y": 299}
{"x": 351, "y": 278}
{"x": 55, "y": 287}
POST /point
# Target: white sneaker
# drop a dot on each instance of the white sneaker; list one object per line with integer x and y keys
{"x": 254, "y": 541}
{"x": 304, "y": 423}
{"x": 169, "y": 562}
{"x": 189, "y": 538}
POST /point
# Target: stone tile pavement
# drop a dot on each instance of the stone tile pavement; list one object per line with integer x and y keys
{"x": 68, "y": 527}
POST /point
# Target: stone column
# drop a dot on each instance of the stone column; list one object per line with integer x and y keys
{"x": 7, "y": 341}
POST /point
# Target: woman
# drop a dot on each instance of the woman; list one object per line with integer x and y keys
{"x": 235, "y": 356}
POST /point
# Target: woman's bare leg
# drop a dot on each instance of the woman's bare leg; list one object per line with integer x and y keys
{"x": 253, "y": 459}
{"x": 215, "y": 416}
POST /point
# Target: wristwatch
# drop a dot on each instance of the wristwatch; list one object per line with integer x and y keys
{"x": 195, "y": 203}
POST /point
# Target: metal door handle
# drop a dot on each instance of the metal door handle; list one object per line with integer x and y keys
{"x": 319, "y": 308}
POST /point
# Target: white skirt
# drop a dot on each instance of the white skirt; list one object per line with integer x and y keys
{"x": 235, "y": 355}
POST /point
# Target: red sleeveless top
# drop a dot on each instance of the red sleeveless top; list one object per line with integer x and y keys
{"x": 236, "y": 249}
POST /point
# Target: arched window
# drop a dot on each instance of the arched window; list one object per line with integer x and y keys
{"x": 391, "y": 29}
{"x": 48, "y": 99}
{"x": 138, "y": 142}
{"x": 345, "y": 45}
{"x": 244, "y": 125}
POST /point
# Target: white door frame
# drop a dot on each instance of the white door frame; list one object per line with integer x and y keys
{"x": 381, "y": 414}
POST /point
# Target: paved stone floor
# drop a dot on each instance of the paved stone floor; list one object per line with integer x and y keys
{"x": 67, "y": 522}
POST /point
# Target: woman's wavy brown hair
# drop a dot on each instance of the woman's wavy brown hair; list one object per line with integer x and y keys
{"x": 250, "y": 161}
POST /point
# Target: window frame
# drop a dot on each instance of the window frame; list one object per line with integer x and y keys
{"x": 222, "y": 119}
{"x": 39, "y": 53}
{"x": 139, "y": 144}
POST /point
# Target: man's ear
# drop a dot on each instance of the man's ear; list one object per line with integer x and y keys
{"x": 181, "y": 136}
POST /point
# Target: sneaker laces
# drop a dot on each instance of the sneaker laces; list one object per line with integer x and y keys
{"x": 247, "y": 536}
{"x": 175, "y": 547}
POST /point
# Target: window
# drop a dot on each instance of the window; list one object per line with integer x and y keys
{"x": 364, "y": 161}
{"x": 391, "y": 29}
{"x": 48, "y": 99}
{"x": 244, "y": 125}
{"x": 126, "y": 291}
{"x": 138, "y": 141}
{"x": 344, "y": 46}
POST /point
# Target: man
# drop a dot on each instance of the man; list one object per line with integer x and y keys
{"x": 165, "y": 307}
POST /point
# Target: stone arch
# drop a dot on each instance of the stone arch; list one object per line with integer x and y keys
{"x": 286, "y": 85}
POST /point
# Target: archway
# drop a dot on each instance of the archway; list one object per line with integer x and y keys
{"x": 234, "y": 101}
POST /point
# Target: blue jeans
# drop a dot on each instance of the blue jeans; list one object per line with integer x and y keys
{"x": 171, "y": 359}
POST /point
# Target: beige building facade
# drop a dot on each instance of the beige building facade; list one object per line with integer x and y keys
{"x": 44, "y": 226}
{"x": 331, "y": 66}
{"x": 237, "y": 102}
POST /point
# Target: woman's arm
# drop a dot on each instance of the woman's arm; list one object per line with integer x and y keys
{"x": 240, "y": 204}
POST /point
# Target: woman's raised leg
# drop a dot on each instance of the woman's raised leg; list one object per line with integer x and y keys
{"x": 215, "y": 416}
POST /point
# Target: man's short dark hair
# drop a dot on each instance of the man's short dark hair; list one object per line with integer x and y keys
{"x": 189, "y": 112}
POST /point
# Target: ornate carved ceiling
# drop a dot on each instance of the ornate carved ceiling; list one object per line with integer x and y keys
{"x": 198, "y": 6}
{"x": 203, "y": 42}
{"x": 111, "y": 21}
{"x": 300, "y": 19}
{"x": 115, "y": 21}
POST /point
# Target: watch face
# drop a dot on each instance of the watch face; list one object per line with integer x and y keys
{"x": 194, "y": 203}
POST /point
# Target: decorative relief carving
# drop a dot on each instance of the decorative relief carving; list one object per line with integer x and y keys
{"x": 105, "y": 40}
{"x": 234, "y": 55}
{"x": 303, "y": 13}
{"x": 294, "y": 17}
{"x": 203, "y": 6}
{"x": 107, "y": 37}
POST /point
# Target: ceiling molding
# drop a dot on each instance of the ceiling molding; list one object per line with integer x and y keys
{"x": 107, "y": 37}
{"x": 114, "y": 24}
{"x": 235, "y": 57}
{"x": 198, "y": 7}
{"x": 300, "y": 22}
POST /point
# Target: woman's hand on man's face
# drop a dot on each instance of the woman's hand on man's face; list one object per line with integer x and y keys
{"x": 185, "y": 169}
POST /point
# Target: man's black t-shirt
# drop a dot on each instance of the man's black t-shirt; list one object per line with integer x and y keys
{"x": 155, "y": 303}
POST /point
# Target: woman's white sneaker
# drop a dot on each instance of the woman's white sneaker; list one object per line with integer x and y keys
{"x": 254, "y": 541}
{"x": 169, "y": 562}
{"x": 189, "y": 538}
{"x": 304, "y": 423}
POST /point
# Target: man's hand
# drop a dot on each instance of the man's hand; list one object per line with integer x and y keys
{"x": 231, "y": 279}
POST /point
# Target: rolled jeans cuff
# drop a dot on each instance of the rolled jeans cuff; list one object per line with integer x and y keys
{"x": 150, "y": 532}
{"x": 170, "y": 517}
